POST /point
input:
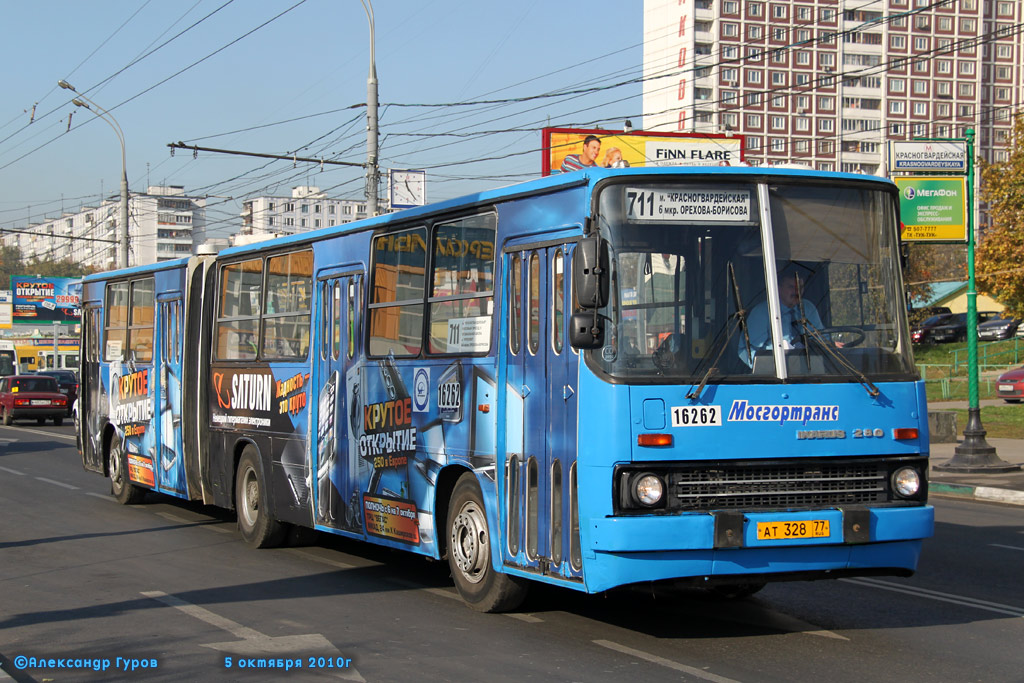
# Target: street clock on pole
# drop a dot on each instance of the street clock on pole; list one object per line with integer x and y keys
{"x": 408, "y": 188}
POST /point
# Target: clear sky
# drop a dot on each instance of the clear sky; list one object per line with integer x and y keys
{"x": 229, "y": 73}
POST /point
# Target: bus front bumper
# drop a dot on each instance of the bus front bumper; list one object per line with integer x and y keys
{"x": 621, "y": 550}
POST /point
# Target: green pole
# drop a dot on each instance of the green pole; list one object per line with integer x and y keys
{"x": 973, "y": 454}
{"x": 972, "y": 293}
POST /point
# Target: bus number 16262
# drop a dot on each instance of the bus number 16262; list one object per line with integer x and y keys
{"x": 697, "y": 416}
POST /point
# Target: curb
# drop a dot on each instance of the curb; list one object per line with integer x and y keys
{"x": 985, "y": 493}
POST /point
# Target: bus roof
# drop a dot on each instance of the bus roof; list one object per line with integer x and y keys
{"x": 134, "y": 270}
{"x": 536, "y": 186}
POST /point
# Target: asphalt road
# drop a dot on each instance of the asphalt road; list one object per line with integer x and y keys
{"x": 170, "y": 583}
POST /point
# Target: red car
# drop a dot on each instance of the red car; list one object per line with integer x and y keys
{"x": 1010, "y": 385}
{"x": 32, "y": 396}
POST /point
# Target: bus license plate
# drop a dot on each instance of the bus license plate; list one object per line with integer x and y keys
{"x": 779, "y": 531}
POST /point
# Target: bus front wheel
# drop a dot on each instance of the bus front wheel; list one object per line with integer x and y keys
{"x": 257, "y": 527}
{"x": 123, "y": 490}
{"x": 469, "y": 553}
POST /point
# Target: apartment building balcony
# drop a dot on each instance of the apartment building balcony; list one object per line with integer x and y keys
{"x": 704, "y": 9}
{"x": 863, "y": 91}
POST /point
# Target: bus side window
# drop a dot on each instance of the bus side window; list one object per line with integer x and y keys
{"x": 558, "y": 300}
{"x": 325, "y": 318}
{"x": 353, "y": 303}
{"x": 515, "y": 307}
{"x": 534, "y": 301}
{"x": 336, "y": 322}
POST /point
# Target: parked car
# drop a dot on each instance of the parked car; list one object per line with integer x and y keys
{"x": 32, "y": 396}
{"x": 998, "y": 328}
{"x": 955, "y": 328}
{"x": 67, "y": 382}
{"x": 918, "y": 315}
{"x": 921, "y": 333}
{"x": 1010, "y": 385}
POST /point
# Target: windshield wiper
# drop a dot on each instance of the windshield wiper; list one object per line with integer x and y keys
{"x": 740, "y": 316}
{"x": 811, "y": 333}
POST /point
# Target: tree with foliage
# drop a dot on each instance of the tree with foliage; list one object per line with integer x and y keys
{"x": 930, "y": 263}
{"x": 13, "y": 263}
{"x": 1000, "y": 251}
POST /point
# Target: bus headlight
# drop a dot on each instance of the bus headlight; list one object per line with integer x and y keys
{"x": 906, "y": 481}
{"x": 648, "y": 489}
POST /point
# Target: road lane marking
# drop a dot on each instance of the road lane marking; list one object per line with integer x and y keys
{"x": 661, "y": 661}
{"x": 441, "y": 592}
{"x": 528, "y": 618}
{"x": 53, "y": 434}
{"x": 1008, "y": 547}
{"x": 103, "y": 496}
{"x": 203, "y": 614}
{"x": 8, "y": 469}
{"x": 192, "y": 522}
{"x": 785, "y": 622}
{"x": 253, "y": 643}
{"x": 996, "y": 607}
{"x": 321, "y": 560}
{"x": 58, "y": 483}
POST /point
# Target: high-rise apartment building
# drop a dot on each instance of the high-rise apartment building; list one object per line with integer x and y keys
{"x": 306, "y": 209}
{"x": 827, "y": 83}
{"x": 164, "y": 224}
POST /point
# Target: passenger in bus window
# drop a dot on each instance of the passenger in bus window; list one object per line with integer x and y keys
{"x": 586, "y": 159}
{"x": 791, "y": 302}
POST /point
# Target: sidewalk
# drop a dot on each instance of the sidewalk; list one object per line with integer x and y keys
{"x": 1002, "y": 488}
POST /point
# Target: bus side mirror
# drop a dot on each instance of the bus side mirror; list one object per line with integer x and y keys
{"x": 590, "y": 273}
{"x": 586, "y": 331}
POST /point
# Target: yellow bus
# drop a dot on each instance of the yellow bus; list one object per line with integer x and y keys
{"x": 38, "y": 355}
{"x": 8, "y": 358}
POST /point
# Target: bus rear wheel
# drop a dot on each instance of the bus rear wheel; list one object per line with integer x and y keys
{"x": 469, "y": 553}
{"x": 255, "y": 524}
{"x": 123, "y": 490}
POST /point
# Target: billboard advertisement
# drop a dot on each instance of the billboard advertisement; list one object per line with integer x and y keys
{"x": 933, "y": 208}
{"x": 564, "y": 149}
{"x": 46, "y": 300}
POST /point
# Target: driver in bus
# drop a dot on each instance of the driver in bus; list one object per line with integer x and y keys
{"x": 792, "y": 302}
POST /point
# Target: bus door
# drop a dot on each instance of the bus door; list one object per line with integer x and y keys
{"x": 336, "y": 466}
{"x": 540, "y": 450}
{"x": 92, "y": 402}
{"x": 168, "y": 395}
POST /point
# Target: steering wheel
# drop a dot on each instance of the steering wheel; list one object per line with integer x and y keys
{"x": 665, "y": 357}
{"x": 858, "y": 334}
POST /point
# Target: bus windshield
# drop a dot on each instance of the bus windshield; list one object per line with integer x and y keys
{"x": 731, "y": 282}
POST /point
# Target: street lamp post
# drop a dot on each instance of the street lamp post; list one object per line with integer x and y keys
{"x": 83, "y": 101}
{"x": 371, "y": 122}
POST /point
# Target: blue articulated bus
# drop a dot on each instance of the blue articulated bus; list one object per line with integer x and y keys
{"x": 596, "y": 379}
